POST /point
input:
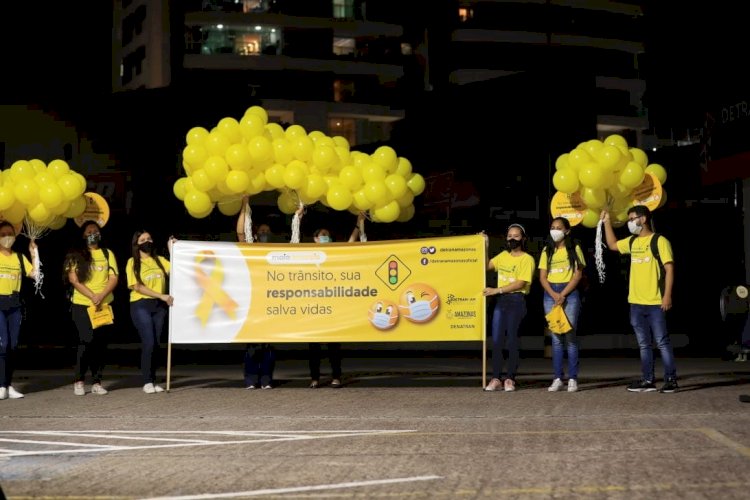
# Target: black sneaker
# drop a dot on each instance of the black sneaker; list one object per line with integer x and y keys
{"x": 642, "y": 386}
{"x": 670, "y": 385}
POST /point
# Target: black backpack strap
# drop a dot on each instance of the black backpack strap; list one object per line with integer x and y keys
{"x": 660, "y": 264}
{"x": 23, "y": 266}
{"x": 106, "y": 257}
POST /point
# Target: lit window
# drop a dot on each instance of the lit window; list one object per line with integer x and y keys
{"x": 345, "y": 127}
{"x": 343, "y": 90}
{"x": 343, "y": 46}
{"x": 465, "y": 14}
{"x": 343, "y": 9}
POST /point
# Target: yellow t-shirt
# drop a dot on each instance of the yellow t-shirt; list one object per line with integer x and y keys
{"x": 98, "y": 278}
{"x": 151, "y": 275}
{"x": 510, "y": 269}
{"x": 644, "y": 270}
{"x": 559, "y": 270}
{"x": 10, "y": 272}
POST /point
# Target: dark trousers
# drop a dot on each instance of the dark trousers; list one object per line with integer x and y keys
{"x": 260, "y": 360}
{"x": 510, "y": 309}
{"x": 92, "y": 345}
{"x": 334, "y": 356}
{"x": 148, "y": 316}
{"x": 10, "y": 329}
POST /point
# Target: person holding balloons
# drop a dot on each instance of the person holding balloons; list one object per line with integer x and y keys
{"x": 649, "y": 295}
{"x": 92, "y": 272}
{"x": 13, "y": 267}
{"x": 515, "y": 271}
{"x": 260, "y": 358}
{"x": 147, "y": 273}
{"x": 560, "y": 270}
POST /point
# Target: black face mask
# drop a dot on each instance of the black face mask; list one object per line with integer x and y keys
{"x": 513, "y": 244}
{"x": 146, "y": 247}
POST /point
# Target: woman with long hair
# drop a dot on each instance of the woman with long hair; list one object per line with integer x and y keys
{"x": 147, "y": 273}
{"x": 560, "y": 270}
{"x": 91, "y": 270}
{"x": 13, "y": 267}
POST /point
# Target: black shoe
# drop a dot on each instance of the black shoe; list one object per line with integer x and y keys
{"x": 642, "y": 386}
{"x": 744, "y": 398}
{"x": 670, "y": 385}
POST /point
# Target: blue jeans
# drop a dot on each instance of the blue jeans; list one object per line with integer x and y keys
{"x": 572, "y": 307}
{"x": 148, "y": 316}
{"x": 510, "y": 309}
{"x": 10, "y": 329}
{"x": 650, "y": 325}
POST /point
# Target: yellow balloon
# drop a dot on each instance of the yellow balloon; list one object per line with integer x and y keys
{"x": 202, "y": 181}
{"x": 7, "y": 198}
{"x": 659, "y": 172}
{"x": 286, "y": 203}
{"x": 406, "y": 199}
{"x": 616, "y": 140}
{"x": 594, "y": 198}
{"x": 196, "y": 135}
{"x": 257, "y": 111}
{"x": 373, "y": 172}
{"x": 339, "y": 197}
{"x": 16, "y": 212}
{"x": 230, "y": 207}
{"x": 38, "y": 165}
{"x": 260, "y": 149}
{"x": 216, "y": 168}
{"x": 230, "y": 128}
{"x": 608, "y": 157}
{"x": 251, "y": 126}
{"x": 275, "y": 176}
{"x": 22, "y": 169}
{"x": 26, "y": 191}
{"x": 198, "y": 202}
{"x": 341, "y": 141}
{"x": 58, "y": 168}
{"x": 361, "y": 201}
{"x": 632, "y": 175}
{"x": 195, "y": 155}
{"x": 50, "y": 195}
{"x": 295, "y": 131}
{"x": 396, "y": 185}
{"x": 302, "y": 147}
{"x": 639, "y": 156}
{"x": 577, "y": 158}
{"x": 386, "y": 157}
{"x": 257, "y": 183}
{"x": 406, "y": 213}
{"x": 275, "y": 131}
{"x": 237, "y": 182}
{"x": 77, "y": 207}
{"x": 294, "y": 175}
{"x": 40, "y": 214}
{"x": 403, "y": 168}
{"x": 416, "y": 184}
{"x": 590, "y": 218}
{"x": 216, "y": 143}
{"x": 315, "y": 135}
{"x": 282, "y": 150}
{"x": 238, "y": 157}
{"x": 565, "y": 180}
{"x": 61, "y": 208}
{"x": 315, "y": 187}
{"x": 58, "y": 222}
{"x": 562, "y": 161}
{"x": 324, "y": 156}
{"x": 377, "y": 192}
{"x": 388, "y": 212}
{"x": 351, "y": 177}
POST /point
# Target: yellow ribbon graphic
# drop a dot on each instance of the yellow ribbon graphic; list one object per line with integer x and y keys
{"x": 211, "y": 285}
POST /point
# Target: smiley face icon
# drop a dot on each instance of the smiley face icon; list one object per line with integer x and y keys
{"x": 383, "y": 314}
{"x": 419, "y": 303}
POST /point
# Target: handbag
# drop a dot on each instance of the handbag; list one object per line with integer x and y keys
{"x": 101, "y": 316}
{"x": 557, "y": 320}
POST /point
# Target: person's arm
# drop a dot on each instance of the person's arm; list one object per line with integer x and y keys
{"x": 82, "y": 289}
{"x": 33, "y": 251}
{"x": 609, "y": 232}
{"x": 356, "y": 231}
{"x": 666, "y": 300}
{"x": 144, "y": 290}
{"x": 241, "y": 221}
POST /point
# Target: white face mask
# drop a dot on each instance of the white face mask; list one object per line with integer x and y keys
{"x": 381, "y": 321}
{"x": 7, "y": 241}
{"x": 634, "y": 228}
{"x": 556, "y": 235}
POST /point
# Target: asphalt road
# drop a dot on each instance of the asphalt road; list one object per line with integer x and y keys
{"x": 400, "y": 428}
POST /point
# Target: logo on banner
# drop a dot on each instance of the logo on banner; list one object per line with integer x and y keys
{"x": 210, "y": 284}
{"x": 393, "y": 272}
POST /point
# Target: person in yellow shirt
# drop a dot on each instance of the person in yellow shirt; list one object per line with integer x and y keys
{"x": 560, "y": 270}
{"x": 92, "y": 272}
{"x": 147, "y": 273}
{"x": 13, "y": 267}
{"x": 515, "y": 271}
{"x": 650, "y": 294}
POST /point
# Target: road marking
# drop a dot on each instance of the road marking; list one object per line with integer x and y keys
{"x": 299, "y": 489}
{"x": 211, "y": 438}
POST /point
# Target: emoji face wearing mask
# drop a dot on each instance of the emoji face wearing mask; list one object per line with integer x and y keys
{"x": 383, "y": 314}
{"x": 419, "y": 303}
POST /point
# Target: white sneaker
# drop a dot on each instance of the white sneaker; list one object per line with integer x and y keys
{"x": 494, "y": 385}
{"x": 149, "y": 388}
{"x": 98, "y": 389}
{"x": 741, "y": 357}
{"x": 572, "y": 385}
{"x": 556, "y": 385}
{"x": 3, "y": 393}
{"x": 79, "y": 389}
{"x": 14, "y": 394}
{"x": 158, "y": 388}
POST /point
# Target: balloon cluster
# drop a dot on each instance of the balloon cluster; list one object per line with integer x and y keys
{"x": 41, "y": 196}
{"x": 605, "y": 174}
{"x": 245, "y": 157}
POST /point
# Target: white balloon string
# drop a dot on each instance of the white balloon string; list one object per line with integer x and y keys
{"x": 248, "y": 224}
{"x": 599, "y": 251}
